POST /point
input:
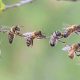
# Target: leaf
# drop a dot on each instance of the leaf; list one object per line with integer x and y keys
{"x": 2, "y": 6}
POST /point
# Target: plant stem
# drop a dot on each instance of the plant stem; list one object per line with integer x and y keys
{"x": 22, "y": 2}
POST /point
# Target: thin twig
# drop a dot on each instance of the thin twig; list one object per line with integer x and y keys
{"x": 22, "y": 2}
{"x": 3, "y": 31}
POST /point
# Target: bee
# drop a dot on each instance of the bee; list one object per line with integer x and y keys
{"x": 55, "y": 37}
{"x": 14, "y": 30}
{"x": 73, "y": 50}
{"x": 69, "y": 30}
{"x": 30, "y": 36}
{"x": 11, "y": 34}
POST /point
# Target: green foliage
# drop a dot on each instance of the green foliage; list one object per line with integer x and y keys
{"x": 2, "y": 6}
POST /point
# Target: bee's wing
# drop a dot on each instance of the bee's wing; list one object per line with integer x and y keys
{"x": 10, "y": 37}
{"x": 66, "y": 48}
{"x": 77, "y": 53}
{"x": 65, "y": 26}
{"x": 27, "y": 34}
{"x": 31, "y": 42}
{"x": 78, "y": 33}
{"x": 41, "y": 37}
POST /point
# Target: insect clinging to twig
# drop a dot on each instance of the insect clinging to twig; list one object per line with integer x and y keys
{"x": 30, "y": 36}
{"x": 55, "y": 37}
{"x": 14, "y": 30}
{"x": 11, "y": 34}
{"x": 73, "y": 50}
{"x": 71, "y": 29}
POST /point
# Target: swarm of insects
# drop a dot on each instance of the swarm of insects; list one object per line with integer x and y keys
{"x": 54, "y": 38}
{"x": 14, "y": 30}
{"x": 73, "y": 50}
{"x": 30, "y": 36}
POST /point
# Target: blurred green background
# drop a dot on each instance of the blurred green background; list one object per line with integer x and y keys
{"x": 40, "y": 62}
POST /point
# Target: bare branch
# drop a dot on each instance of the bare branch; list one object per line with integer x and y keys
{"x": 22, "y": 2}
{"x": 4, "y": 29}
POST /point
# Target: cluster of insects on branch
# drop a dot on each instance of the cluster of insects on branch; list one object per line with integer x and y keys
{"x": 29, "y": 36}
{"x": 57, "y": 36}
{"x": 54, "y": 38}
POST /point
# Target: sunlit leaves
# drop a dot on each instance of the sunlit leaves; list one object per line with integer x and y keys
{"x": 2, "y": 6}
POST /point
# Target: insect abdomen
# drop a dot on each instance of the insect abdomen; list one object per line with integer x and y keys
{"x": 10, "y": 37}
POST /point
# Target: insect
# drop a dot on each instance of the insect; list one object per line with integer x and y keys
{"x": 73, "y": 50}
{"x": 30, "y": 36}
{"x": 55, "y": 37}
{"x": 69, "y": 30}
{"x": 14, "y": 30}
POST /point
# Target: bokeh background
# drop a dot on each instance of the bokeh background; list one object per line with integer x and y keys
{"x": 40, "y": 62}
